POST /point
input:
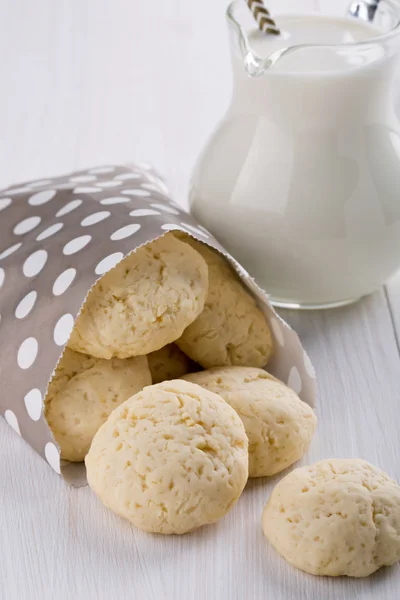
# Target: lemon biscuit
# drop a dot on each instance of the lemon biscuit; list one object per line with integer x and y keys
{"x": 144, "y": 303}
{"x": 231, "y": 330}
{"x": 278, "y": 424}
{"x": 170, "y": 459}
{"x": 336, "y": 517}
{"x": 84, "y": 391}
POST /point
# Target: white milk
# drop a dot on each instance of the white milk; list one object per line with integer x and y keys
{"x": 313, "y": 29}
{"x": 301, "y": 180}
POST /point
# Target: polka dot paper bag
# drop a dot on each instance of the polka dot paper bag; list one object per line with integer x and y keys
{"x": 57, "y": 237}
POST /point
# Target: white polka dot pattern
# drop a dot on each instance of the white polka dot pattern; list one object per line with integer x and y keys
{"x": 144, "y": 212}
{"x": 12, "y": 420}
{"x": 68, "y": 208}
{"x": 58, "y": 236}
{"x": 10, "y": 250}
{"x": 167, "y": 209}
{"x": 95, "y": 218}
{"x": 26, "y": 225}
{"x": 41, "y": 197}
{"x": 114, "y": 200}
{"x": 195, "y": 230}
{"x": 172, "y": 226}
{"x": 27, "y": 353}
{"x": 76, "y": 244}
{"x": 52, "y": 455}
{"x": 83, "y": 178}
{"x": 63, "y": 329}
{"x": 63, "y": 281}
{"x": 26, "y": 305}
{"x": 4, "y": 202}
{"x": 124, "y": 232}
{"x": 34, "y": 404}
{"x": 99, "y": 170}
{"x": 161, "y": 185}
{"x": 34, "y": 263}
{"x": 108, "y": 263}
{"x": 127, "y": 176}
{"x": 136, "y": 192}
{"x": 86, "y": 190}
{"x": 49, "y": 231}
{"x": 109, "y": 184}
{"x": 151, "y": 186}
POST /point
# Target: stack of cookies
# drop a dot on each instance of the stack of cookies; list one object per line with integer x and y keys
{"x": 162, "y": 389}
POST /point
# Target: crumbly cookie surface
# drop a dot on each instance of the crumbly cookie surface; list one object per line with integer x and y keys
{"x": 144, "y": 303}
{"x": 170, "y": 459}
{"x": 231, "y": 329}
{"x": 336, "y": 517}
{"x": 278, "y": 424}
{"x": 82, "y": 394}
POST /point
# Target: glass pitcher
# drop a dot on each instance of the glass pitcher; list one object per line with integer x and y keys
{"x": 301, "y": 179}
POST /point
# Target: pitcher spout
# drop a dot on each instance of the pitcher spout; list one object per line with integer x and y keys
{"x": 254, "y": 64}
{"x": 317, "y": 45}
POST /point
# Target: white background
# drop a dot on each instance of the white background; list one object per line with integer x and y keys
{"x": 85, "y": 82}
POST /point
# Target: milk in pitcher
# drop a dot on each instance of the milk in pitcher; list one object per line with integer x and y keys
{"x": 301, "y": 180}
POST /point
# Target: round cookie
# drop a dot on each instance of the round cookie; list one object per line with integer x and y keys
{"x": 83, "y": 392}
{"x": 231, "y": 330}
{"x": 169, "y": 363}
{"x": 144, "y": 303}
{"x": 278, "y": 424}
{"x": 336, "y": 517}
{"x": 170, "y": 459}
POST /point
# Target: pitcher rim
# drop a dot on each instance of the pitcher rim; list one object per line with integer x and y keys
{"x": 395, "y": 31}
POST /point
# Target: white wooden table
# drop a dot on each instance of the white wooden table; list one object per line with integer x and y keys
{"x": 91, "y": 82}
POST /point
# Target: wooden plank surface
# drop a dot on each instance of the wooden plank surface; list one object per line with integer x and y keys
{"x": 96, "y": 82}
{"x": 393, "y": 297}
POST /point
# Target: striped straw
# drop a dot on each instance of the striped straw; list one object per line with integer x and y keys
{"x": 263, "y": 17}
